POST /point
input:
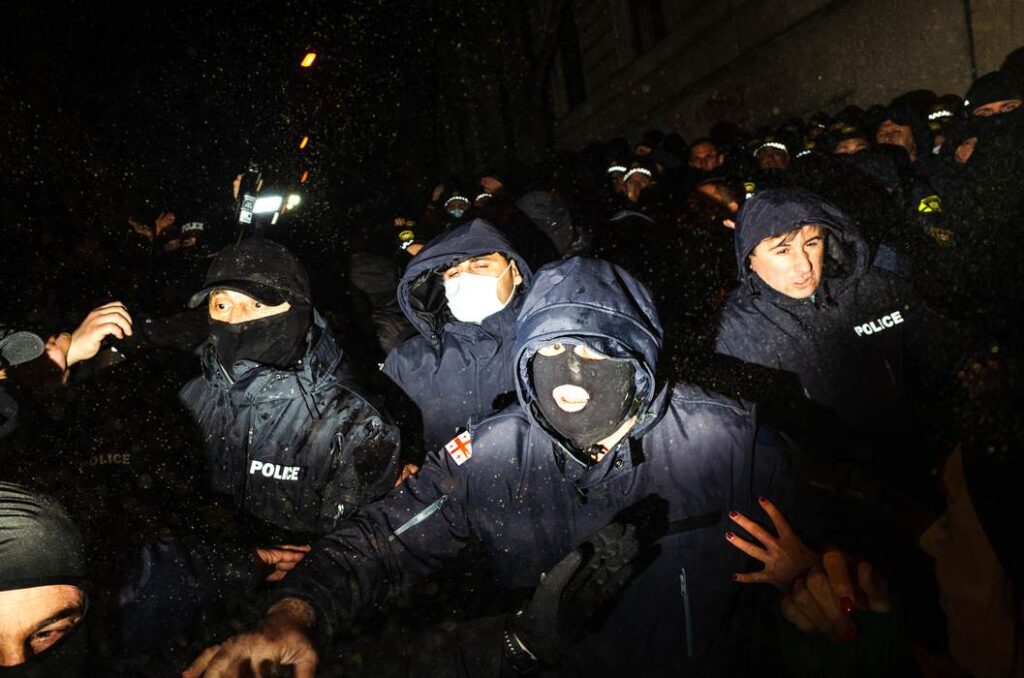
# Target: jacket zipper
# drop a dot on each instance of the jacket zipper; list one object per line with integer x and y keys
{"x": 684, "y": 591}
{"x": 432, "y": 508}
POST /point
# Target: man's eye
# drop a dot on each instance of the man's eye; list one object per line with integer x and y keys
{"x": 782, "y": 250}
{"x": 222, "y": 306}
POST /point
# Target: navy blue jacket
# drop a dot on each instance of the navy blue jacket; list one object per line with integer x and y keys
{"x": 523, "y": 498}
{"x": 454, "y": 371}
{"x": 296, "y": 449}
{"x": 846, "y": 343}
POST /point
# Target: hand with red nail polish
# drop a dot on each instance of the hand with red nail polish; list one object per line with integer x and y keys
{"x": 822, "y": 603}
{"x": 785, "y": 557}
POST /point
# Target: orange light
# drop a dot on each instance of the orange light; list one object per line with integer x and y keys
{"x": 305, "y": 175}
{"x": 308, "y": 60}
{"x": 303, "y": 143}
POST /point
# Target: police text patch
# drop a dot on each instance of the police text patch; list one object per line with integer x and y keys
{"x": 275, "y": 471}
{"x": 883, "y": 323}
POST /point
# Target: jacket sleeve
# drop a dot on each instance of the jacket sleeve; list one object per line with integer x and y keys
{"x": 419, "y": 528}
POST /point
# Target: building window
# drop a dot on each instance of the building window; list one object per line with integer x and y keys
{"x": 571, "y": 58}
{"x": 648, "y": 24}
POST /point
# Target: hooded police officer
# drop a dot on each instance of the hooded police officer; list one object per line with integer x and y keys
{"x": 462, "y": 293}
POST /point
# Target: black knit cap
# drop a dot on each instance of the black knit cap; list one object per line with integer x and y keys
{"x": 258, "y": 268}
{"x": 39, "y": 545}
{"x": 994, "y": 86}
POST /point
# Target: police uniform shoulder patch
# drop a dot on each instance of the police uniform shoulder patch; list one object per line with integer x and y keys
{"x": 460, "y": 448}
{"x": 930, "y": 203}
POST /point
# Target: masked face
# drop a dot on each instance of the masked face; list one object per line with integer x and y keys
{"x": 241, "y": 328}
{"x": 583, "y": 395}
{"x": 38, "y": 630}
{"x": 480, "y": 287}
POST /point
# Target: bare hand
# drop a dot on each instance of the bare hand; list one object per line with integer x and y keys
{"x": 141, "y": 229}
{"x": 282, "y": 558}
{"x": 785, "y": 557}
{"x": 108, "y": 320}
{"x": 163, "y": 221}
{"x": 407, "y": 470}
{"x": 282, "y": 639}
{"x": 821, "y": 603}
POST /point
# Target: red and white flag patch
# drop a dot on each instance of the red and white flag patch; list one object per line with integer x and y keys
{"x": 460, "y": 448}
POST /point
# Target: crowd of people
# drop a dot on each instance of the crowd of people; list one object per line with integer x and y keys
{"x": 740, "y": 406}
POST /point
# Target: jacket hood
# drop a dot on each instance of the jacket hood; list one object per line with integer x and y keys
{"x": 773, "y": 212}
{"x": 421, "y": 291}
{"x": 596, "y": 303}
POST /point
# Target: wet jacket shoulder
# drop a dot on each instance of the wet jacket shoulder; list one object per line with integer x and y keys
{"x": 296, "y": 449}
{"x": 454, "y": 371}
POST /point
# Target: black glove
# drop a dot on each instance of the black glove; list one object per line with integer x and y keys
{"x": 569, "y": 595}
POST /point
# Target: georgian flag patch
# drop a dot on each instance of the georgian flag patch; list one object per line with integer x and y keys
{"x": 460, "y": 448}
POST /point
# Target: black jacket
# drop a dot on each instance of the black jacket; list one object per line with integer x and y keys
{"x": 297, "y": 449}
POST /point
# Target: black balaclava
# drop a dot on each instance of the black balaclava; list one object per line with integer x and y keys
{"x": 610, "y": 384}
{"x": 278, "y": 340}
{"x": 40, "y": 546}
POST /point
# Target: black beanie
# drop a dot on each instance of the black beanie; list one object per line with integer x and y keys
{"x": 39, "y": 545}
{"x": 994, "y": 86}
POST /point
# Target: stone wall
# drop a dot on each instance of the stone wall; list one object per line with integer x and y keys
{"x": 761, "y": 61}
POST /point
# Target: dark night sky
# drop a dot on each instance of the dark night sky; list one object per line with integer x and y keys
{"x": 169, "y": 100}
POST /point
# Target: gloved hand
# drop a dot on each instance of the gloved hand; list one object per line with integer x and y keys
{"x": 569, "y": 595}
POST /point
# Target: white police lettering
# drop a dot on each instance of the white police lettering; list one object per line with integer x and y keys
{"x": 275, "y": 471}
{"x": 883, "y": 323}
{"x": 104, "y": 459}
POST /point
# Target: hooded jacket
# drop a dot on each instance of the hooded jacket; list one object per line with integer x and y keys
{"x": 296, "y": 449}
{"x": 513, "y": 489}
{"x": 846, "y": 342}
{"x": 454, "y": 371}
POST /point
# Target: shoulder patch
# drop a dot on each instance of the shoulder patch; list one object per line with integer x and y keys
{"x": 929, "y": 204}
{"x": 460, "y": 448}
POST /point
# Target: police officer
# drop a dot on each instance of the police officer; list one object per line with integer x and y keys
{"x": 462, "y": 293}
{"x": 592, "y": 436}
{"x": 288, "y": 435}
{"x": 869, "y": 359}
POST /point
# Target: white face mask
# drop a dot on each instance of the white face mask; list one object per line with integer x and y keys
{"x": 472, "y": 297}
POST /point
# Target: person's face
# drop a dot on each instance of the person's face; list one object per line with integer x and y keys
{"x": 455, "y": 205}
{"x": 965, "y": 150}
{"x": 851, "y": 146}
{"x": 997, "y": 108}
{"x": 975, "y": 592}
{"x": 791, "y": 263}
{"x": 705, "y": 157}
{"x": 773, "y": 159}
{"x": 494, "y": 265}
{"x": 635, "y": 185}
{"x": 567, "y": 397}
{"x": 33, "y": 619}
{"x": 232, "y": 307}
{"x": 893, "y": 133}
